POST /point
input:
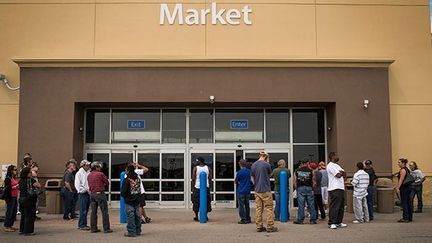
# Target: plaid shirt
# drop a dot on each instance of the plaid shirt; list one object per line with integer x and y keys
{"x": 97, "y": 181}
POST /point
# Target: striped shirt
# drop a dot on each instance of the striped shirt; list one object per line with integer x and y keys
{"x": 360, "y": 182}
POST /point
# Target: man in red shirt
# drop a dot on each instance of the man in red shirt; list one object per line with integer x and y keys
{"x": 97, "y": 182}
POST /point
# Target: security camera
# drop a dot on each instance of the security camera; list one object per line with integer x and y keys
{"x": 365, "y": 104}
{"x": 239, "y": 145}
{"x": 212, "y": 99}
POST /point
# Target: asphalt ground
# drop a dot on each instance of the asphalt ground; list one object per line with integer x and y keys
{"x": 176, "y": 225}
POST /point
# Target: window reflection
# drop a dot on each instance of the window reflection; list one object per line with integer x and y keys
{"x": 151, "y": 161}
{"x": 277, "y": 126}
{"x": 174, "y": 126}
{"x": 97, "y": 126}
{"x": 308, "y": 126}
{"x": 173, "y": 166}
{"x": 225, "y": 166}
{"x": 201, "y": 126}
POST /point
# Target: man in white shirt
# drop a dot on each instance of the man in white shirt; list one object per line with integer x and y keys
{"x": 360, "y": 182}
{"x": 336, "y": 192}
{"x": 81, "y": 185}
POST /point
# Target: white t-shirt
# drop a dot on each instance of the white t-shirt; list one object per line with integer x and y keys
{"x": 333, "y": 182}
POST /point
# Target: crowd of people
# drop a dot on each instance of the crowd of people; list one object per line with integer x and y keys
{"x": 318, "y": 187}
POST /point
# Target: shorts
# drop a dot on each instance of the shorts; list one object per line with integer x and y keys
{"x": 142, "y": 201}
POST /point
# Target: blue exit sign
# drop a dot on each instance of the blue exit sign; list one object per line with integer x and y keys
{"x": 239, "y": 124}
{"x": 136, "y": 124}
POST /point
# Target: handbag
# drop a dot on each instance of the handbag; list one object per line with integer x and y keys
{"x": 32, "y": 192}
{"x": 409, "y": 179}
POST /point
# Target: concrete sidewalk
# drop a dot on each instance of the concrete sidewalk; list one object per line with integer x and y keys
{"x": 176, "y": 225}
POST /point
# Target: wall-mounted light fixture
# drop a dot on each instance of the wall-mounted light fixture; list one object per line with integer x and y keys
{"x": 212, "y": 99}
{"x": 6, "y": 82}
{"x": 366, "y": 104}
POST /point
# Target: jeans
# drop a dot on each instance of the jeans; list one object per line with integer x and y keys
{"x": 370, "y": 200}
{"x": 69, "y": 203}
{"x": 277, "y": 207}
{"x": 99, "y": 200}
{"x": 244, "y": 209}
{"x": 84, "y": 202}
{"x": 337, "y": 206}
{"x": 133, "y": 218}
{"x": 11, "y": 211}
{"x": 361, "y": 212}
{"x": 264, "y": 200}
{"x": 305, "y": 195}
{"x": 406, "y": 203}
{"x": 417, "y": 190}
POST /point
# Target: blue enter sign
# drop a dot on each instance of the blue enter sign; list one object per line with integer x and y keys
{"x": 239, "y": 124}
{"x": 136, "y": 124}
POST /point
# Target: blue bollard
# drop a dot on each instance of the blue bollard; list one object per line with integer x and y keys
{"x": 283, "y": 197}
{"x": 203, "y": 198}
{"x": 122, "y": 201}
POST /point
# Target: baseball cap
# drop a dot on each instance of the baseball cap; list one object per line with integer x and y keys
{"x": 313, "y": 166}
{"x": 85, "y": 162}
{"x": 322, "y": 165}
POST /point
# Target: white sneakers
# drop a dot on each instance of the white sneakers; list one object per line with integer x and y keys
{"x": 335, "y": 226}
{"x": 357, "y": 222}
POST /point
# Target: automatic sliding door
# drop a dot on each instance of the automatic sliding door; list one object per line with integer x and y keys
{"x": 173, "y": 178}
{"x": 151, "y": 179}
{"x": 225, "y": 167}
{"x": 119, "y": 161}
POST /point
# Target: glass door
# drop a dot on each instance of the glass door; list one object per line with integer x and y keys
{"x": 172, "y": 174}
{"x": 151, "y": 179}
{"x": 224, "y": 174}
{"x": 119, "y": 161}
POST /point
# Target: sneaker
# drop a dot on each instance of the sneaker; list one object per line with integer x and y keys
{"x": 95, "y": 231}
{"x": 37, "y": 211}
{"x": 342, "y": 225}
{"x": 241, "y": 222}
{"x": 147, "y": 220}
{"x": 143, "y": 221}
{"x": 272, "y": 229}
{"x": 297, "y": 222}
{"x": 85, "y": 228}
{"x": 129, "y": 235}
{"x": 18, "y": 213}
{"x": 8, "y": 229}
{"x": 333, "y": 226}
{"x": 108, "y": 231}
{"x": 261, "y": 229}
{"x": 357, "y": 222}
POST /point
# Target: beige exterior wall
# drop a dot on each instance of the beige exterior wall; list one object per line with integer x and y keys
{"x": 396, "y": 29}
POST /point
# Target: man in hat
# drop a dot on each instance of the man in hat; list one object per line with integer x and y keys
{"x": 196, "y": 184}
{"x": 98, "y": 182}
{"x": 81, "y": 185}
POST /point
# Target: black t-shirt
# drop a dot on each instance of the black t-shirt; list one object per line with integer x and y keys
{"x": 23, "y": 185}
{"x": 304, "y": 176}
{"x": 372, "y": 175}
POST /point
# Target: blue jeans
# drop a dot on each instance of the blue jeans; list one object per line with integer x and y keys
{"x": 244, "y": 209}
{"x": 370, "y": 200}
{"x": 84, "y": 202}
{"x": 417, "y": 190}
{"x": 133, "y": 219}
{"x": 305, "y": 194}
{"x": 69, "y": 203}
{"x": 277, "y": 207}
{"x": 11, "y": 211}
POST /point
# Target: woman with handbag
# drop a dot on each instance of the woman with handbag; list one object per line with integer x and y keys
{"x": 28, "y": 197}
{"x": 404, "y": 189}
{"x": 11, "y": 195}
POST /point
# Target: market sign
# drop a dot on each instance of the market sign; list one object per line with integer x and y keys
{"x": 136, "y": 124}
{"x": 239, "y": 124}
{"x": 194, "y": 16}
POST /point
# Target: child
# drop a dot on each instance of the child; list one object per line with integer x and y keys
{"x": 360, "y": 182}
{"x": 131, "y": 192}
{"x": 242, "y": 179}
